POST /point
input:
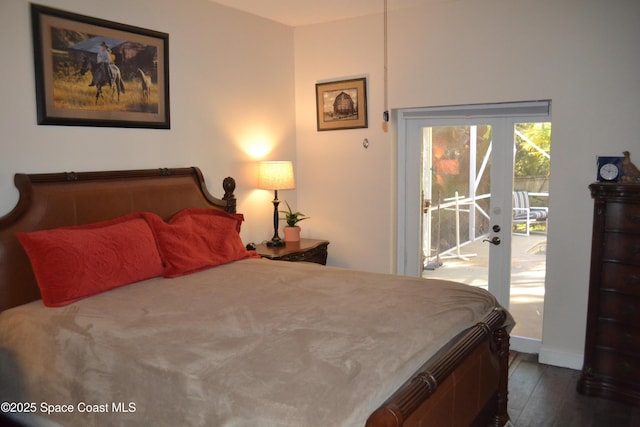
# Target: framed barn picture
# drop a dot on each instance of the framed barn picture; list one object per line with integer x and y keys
{"x": 91, "y": 72}
{"x": 342, "y": 104}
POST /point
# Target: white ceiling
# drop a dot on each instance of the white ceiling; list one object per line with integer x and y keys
{"x": 304, "y": 12}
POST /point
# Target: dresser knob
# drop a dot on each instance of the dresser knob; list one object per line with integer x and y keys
{"x": 629, "y": 310}
{"x": 632, "y": 280}
{"x": 625, "y": 368}
{"x": 627, "y": 338}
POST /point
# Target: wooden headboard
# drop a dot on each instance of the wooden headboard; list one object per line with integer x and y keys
{"x": 62, "y": 199}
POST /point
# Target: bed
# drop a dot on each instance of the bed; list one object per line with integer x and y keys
{"x": 237, "y": 341}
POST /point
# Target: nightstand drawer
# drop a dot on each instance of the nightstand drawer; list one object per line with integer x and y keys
{"x": 317, "y": 255}
{"x": 306, "y": 250}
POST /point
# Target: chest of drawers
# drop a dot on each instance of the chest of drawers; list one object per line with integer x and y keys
{"x": 612, "y": 346}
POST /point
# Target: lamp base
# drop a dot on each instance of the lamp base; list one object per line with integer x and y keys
{"x": 275, "y": 243}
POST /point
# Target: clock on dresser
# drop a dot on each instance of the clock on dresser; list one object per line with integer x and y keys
{"x": 609, "y": 168}
{"x": 612, "y": 347}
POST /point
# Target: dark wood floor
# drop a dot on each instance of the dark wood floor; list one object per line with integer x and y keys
{"x": 546, "y": 396}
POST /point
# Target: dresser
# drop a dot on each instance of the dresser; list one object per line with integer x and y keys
{"x": 307, "y": 250}
{"x": 612, "y": 347}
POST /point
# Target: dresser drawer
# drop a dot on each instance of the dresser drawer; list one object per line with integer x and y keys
{"x": 623, "y": 217}
{"x": 621, "y": 277}
{"x": 622, "y": 247}
{"x": 615, "y": 365}
{"x": 614, "y": 335}
{"x": 623, "y": 308}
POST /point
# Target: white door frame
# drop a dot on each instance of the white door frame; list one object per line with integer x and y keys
{"x": 410, "y": 123}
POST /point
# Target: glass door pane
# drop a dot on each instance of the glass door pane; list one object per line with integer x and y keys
{"x": 457, "y": 196}
{"x": 529, "y": 227}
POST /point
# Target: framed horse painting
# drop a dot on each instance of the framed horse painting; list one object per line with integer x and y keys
{"x": 92, "y": 72}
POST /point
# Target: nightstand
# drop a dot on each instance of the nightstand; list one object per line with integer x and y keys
{"x": 309, "y": 250}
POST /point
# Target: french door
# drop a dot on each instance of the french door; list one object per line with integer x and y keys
{"x": 455, "y": 208}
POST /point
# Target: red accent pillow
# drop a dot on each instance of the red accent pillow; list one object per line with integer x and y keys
{"x": 199, "y": 238}
{"x": 72, "y": 263}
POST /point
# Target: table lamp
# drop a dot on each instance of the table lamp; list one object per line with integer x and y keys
{"x": 276, "y": 175}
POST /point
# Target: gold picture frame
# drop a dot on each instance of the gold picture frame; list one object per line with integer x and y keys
{"x": 74, "y": 87}
{"x": 342, "y": 104}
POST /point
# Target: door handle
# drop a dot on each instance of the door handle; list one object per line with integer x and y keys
{"x": 494, "y": 240}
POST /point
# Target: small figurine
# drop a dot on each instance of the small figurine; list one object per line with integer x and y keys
{"x": 630, "y": 172}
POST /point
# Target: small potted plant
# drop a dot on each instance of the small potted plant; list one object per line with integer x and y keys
{"x": 292, "y": 230}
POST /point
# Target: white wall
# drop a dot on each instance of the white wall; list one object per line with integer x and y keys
{"x": 344, "y": 187}
{"x": 232, "y": 101}
{"x": 581, "y": 54}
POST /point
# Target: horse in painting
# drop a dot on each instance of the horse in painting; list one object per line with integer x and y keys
{"x": 146, "y": 84}
{"x": 100, "y": 78}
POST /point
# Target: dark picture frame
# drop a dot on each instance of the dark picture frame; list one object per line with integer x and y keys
{"x": 71, "y": 86}
{"x": 342, "y": 104}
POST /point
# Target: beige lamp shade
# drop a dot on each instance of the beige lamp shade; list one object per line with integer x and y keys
{"x": 276, "y": 175}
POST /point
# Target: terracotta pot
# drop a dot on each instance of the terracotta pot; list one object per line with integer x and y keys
{"x": 292, "y": 234}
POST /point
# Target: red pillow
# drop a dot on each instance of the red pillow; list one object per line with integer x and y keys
{"x": 71, "y": 263}
{"x": 198, "y": 238}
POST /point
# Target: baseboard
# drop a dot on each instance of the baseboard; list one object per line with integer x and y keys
{"x": 524, "y": 345}
{"x": 560, "y": 358}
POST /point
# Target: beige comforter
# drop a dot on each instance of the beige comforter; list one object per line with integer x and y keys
{"x": 251, "y": 343}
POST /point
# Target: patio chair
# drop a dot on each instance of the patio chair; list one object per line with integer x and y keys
{"x": 525, "y": 214}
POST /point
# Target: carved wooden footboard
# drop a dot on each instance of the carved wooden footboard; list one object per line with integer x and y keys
{"x": 465, "y": 384}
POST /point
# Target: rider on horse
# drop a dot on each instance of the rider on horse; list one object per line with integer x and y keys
{"x": 104, "y": 58}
